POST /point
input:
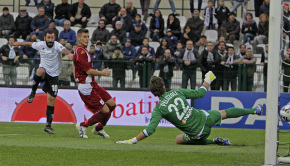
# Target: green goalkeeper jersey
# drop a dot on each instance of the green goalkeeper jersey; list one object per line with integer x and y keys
{"x": 174, "y": 108}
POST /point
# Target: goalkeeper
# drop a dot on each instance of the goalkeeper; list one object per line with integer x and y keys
{"x": 196, "y": 124}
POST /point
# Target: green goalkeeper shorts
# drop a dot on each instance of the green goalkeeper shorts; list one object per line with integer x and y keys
{"x": 213, "y": 119}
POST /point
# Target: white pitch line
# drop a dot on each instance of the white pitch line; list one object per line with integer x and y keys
{"x": 2, "y": 135}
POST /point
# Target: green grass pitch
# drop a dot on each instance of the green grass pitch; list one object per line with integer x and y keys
{"x": 27, "y": 144}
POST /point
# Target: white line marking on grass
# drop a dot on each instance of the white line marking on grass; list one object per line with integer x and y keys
{"x": 2, "y": 135}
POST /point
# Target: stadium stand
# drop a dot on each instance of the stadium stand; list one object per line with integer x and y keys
{"x": 211, "y": 35}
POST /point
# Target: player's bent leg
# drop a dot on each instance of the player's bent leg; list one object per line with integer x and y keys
{"x": 104, "y": 116}
{"x": 40, "y": 72}
{"x": 111, "y": 104}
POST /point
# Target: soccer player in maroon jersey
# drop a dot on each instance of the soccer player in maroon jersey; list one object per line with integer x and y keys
{"x": 96, "y": 98}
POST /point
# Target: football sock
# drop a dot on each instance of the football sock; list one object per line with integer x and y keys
{"x": 49, "y": 115}
{"x": 97, "y": 117}
{"x": 36, "y": 81}
{"x": 209, "y": 141}
{"x": 111, "y": 108}
{"x": 237, "y": 112}
{"x": 99, "y": 127}
{"x": 106, "y": 118}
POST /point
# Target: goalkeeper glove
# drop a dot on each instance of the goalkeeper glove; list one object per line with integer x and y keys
{"x": 209, "y": 77}
{"x": 129, "y": 141}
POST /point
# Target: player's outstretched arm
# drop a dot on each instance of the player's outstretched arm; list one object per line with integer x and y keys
{"x": 208, "y": 78}
{"x": 68, "y": 53}
{"x": 93, "y": 72}
{"x": 134, "y": 140}
{"x": 16, "y": 44}
{"x": 196, "y": 94}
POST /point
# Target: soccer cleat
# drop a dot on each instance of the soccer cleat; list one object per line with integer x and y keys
{"x": 102, "y": 133}
{"x": 49, "y": 130}
{"x": 30, "y": 97}
{"x": 82, "y": 130}
{"x": 259, "y": 109}
{"x": 221, "y": 141}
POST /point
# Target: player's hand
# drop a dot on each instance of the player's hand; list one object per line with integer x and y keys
{"x": 70, "y": 56}
{"x": 129, "y": 141}
{"x": 16, "y": 44}
{"x": 209, "y": 77}
{"x": 106, "y": 72}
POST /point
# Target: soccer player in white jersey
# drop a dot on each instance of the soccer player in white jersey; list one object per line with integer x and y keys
{"x": 48, "y": 71}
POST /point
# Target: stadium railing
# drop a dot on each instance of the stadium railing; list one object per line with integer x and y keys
{"x": 26, "y": 70}
{"x": 184, "y": 5}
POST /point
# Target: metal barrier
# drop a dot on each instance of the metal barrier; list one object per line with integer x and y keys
{"x": 9, "y": 5}
{"x": 183, "y": 8}
{"x": 128, "y": 74}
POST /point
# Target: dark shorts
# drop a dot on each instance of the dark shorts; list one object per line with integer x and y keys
{"x": 50, "y": 85}
{"x": 97, "y": 98}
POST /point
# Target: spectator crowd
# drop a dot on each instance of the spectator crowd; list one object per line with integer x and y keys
{"x": 184, "y": 49}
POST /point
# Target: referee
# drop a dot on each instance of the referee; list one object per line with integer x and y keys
{"x": 48, "y": 71}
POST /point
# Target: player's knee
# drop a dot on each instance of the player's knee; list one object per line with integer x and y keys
{"x": 40, "y": 71}
{"x": 179, "y": 139}
{"x": 105, "y": 109}
{"x": 50, "y": 99}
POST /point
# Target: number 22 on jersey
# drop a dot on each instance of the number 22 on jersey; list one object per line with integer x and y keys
{"x": 173, "y": 107}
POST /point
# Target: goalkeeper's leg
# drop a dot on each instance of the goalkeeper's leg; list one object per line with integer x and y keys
{"x": 184, "y": 139}
{"x": 237, "y": 112}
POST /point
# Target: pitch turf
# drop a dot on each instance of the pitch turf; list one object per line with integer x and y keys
{"x": 27, "y": 144}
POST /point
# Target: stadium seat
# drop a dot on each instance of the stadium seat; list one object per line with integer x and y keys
{"x": 1, "y": 72}
{"x": 91, "y": 31}
{"x": 262, "y": 46}
{"x": 182, "y": 20}
{"x": 148, "y": 21}
{"x": 211, "y": 35}
{"x": 165, "y": 21}
{"x": 240, "y": 20}
{"x": 154, "y": 44}
{"x": 20, "y": 40}
{"x": 75, "y": 29}
{"x": 110, "y": 29}
{"x": 3, "y": 41}
{"x": 14, "y": 14}
{"x": 23, "y": 73}
{"x": 32, "y": 9}
{"x": 32, "y": 14}
{"x": 229, "y": 45}
{"x": 257, "y": 19}
{"x": 93, "y": 22}
{"x": 59, "y": 28}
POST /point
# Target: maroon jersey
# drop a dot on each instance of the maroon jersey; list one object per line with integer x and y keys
{"x": 83, "y": 62}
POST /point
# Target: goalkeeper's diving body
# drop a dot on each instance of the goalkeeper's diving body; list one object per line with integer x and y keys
{"x": 195, "y": 123}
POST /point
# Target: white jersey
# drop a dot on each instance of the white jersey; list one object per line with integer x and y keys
{"x": 50, "y": 58}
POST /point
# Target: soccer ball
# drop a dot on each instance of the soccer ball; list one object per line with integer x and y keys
{"x": 285, "y": 113}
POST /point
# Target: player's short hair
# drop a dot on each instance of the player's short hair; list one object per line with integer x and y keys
{"x": 156, "y": 86}
{"x": 49, "y": 31}
{"x": 81, "y": 31}
{"x": 92, "y": 45}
